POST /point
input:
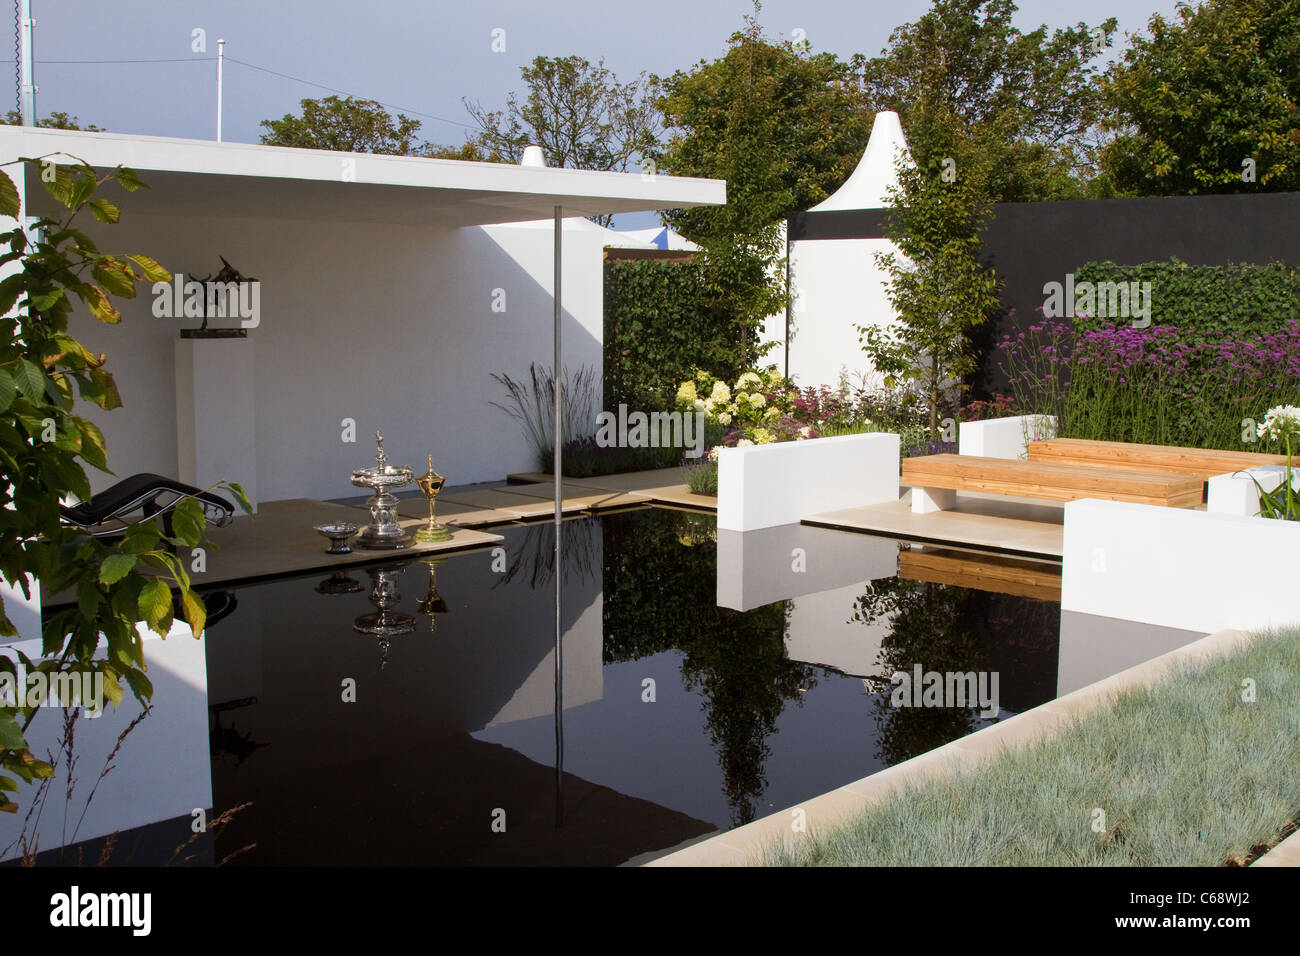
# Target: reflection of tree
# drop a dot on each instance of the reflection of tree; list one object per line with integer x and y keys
{"x": 947, "y": 628}
{"x": 659, "y": 595}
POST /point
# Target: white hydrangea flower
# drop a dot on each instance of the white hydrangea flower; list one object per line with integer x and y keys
{"x": 772, "y": 413}
{"x": 686, "y": 394}
{"x": 805, "y": 432}
{"x": 721, "y": 393}
{"x": 757, "y": 400}
{"x": 744, "y": 443}
{"x": 700, "y": 405}
{"x": 724, "y": 418}
{"x": 748, "y": 379}
{"x": 713, "y": 453}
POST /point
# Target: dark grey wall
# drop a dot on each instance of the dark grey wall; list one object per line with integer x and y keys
{"x": 1029, "y": 244}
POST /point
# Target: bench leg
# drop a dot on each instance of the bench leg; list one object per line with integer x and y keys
{"x": 927, "y": 500}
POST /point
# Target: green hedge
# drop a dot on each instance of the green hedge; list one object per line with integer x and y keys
{"x": 660, "y": 326}
{"x": 1239, "y": 300}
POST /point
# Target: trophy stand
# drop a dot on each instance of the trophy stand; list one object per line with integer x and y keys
{"x": 384, "y": 532}
{"x": 431, "y": 483}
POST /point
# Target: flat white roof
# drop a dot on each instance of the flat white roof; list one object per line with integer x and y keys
{"x": 206, "y": 178}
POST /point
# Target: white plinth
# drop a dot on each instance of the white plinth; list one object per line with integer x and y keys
{"x": 1237, "y": 494}
{"x": 1003, "y": 437}
{"x": 764, "y": 486}
{"x": 215, "y": 413}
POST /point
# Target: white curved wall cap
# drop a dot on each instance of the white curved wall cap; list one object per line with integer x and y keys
{"x": 868, "y": 186}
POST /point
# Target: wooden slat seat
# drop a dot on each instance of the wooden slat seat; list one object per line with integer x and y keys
{"x": 1203, "y": 463}
{"x": 938, "y": 477}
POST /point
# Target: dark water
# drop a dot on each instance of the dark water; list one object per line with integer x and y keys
{"x": 444, "y": 750}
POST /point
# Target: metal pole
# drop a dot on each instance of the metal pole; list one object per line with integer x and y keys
{"x": 221, "y": 63}
{"x": 27, "y": 98}
{"x": 557, "y": 473}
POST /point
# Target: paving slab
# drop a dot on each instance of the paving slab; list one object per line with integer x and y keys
{"x": 584, "y": 496}
{"x": 980, "y": 521}
{"x": 1286, "y": 853}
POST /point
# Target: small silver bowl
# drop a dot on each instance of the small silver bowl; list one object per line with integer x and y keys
{"x": 338, "y": 533}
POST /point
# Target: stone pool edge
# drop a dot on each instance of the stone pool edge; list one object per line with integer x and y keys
{"x": 742, "y": 845}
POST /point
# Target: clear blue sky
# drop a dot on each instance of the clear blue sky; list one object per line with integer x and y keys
{"x": 420, "y": 55}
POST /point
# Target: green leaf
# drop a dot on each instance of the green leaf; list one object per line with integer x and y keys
{"x": 8, "y": 783}
{"x": 241, "y": 498}
{"x": 116, "y": 567}
{"x": 43, "y": 302}
{"x": 30, "y": 380}
{"x": 155, "y": 603}
{"x": 128, "y": 179}
{"x": 187, "y": 521}
{"x": 89, "y": 597}
{"x": 151, "y": 269}
{"x": 113, "y": 276}
{"x": 93, "y": 449}
{"x": 104, "y": 210}
{"x": 196, "y": 612}
{"x": 10, "y": 204}
{"x": 11, "y": 735}
{"x": 8, "y": 390}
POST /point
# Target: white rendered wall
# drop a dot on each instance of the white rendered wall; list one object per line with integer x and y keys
{"x": 1004, "y": 437}
{"x": 763, "y": 486}
{"x": 1179, "y": 568}
{"x": 835, "y": 286}
{"x": 135, "y": 793}
{"x": 390, "y": 326}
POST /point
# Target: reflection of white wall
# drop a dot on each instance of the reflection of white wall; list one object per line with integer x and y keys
{"x": 1178, "y": 568}
{"x": 822, "y": 631}
{"x": 1093, "y": 648}
{"x": 755, "y": 568}
{"x": 174, "y": 738}
{"x": 390, "y": 325}
{"x": 583, "y": 671}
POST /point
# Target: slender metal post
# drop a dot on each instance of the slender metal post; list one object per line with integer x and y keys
{"x": 27, "y": 69}
{"x": 221, "y": 63}
{"x": 557, "y": 472}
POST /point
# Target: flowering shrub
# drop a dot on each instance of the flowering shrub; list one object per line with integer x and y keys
{"x": 1155, "y": 385}
{"x": 1281, "y": 424}
{"x": 747, "y": 410}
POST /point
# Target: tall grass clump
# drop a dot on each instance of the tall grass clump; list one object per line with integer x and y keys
{"x": 1186, "y": 773}
{"x": 531, "y": 402}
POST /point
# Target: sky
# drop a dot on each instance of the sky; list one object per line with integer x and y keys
{"x": 420, "y": 57}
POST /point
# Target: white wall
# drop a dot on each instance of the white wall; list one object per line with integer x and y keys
{"x": 1178, "y": 568}
{"x": 762, "y": 486}
{"x": 391, "y": 326}
{"x": 835, "y": 286}
{"x": 1004, "y": 437}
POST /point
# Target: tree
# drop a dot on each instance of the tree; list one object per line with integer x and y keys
{"x": 43, "y": 446}
{"x": 784, "y": 127}
{"x": 1206, "y": 92}
{"x": 345, "y": 125}
{"x": 56, "y": 120}
{"x": 578, "y": 112}
{"x": 939, "y": 288}
{"x": 1031, "y": 99}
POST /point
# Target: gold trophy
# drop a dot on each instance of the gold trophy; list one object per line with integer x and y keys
{"x": 431, "y": 483}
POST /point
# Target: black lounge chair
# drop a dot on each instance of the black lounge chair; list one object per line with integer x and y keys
{"x": 112, "y": 510}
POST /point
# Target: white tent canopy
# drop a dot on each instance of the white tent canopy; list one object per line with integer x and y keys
{"x": 868, "y": 186}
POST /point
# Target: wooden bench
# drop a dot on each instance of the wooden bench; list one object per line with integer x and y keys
{"x": 1203, "y": 463}
{"x": 936, "y": 479}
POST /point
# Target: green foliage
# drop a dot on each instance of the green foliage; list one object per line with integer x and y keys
{"x": 1029, "y": 99}
{"x": 938, "y": 286}
{"x": 702, "y": 477}
{"x": 1207, "y": 89}
{"x": 346, "y": 125}
{"x": 577, "y": 112}
{"x": 44, "y": 445}
{"x": 1207, "y": 303}
{"x": 661, "y": 325}
{"x": 56, "y": 120}
{"x": 784, "y": 128}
